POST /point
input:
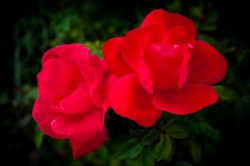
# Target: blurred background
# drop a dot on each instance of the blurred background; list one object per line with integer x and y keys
{"x": 29, "y": 28}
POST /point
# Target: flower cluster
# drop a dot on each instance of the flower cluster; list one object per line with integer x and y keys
{"x": 155, "y": 68}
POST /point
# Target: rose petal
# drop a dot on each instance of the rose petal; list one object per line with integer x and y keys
{"x": 177, "y": 35}
{"x": 168, "y": 65}
{"x": 129, "y": 99}
{"x": 91, "y": 79}
{"x": 189, "y": 99}
{"x": 44, "y": 113}
{"x": 71, "y": 53}
{"x": 133, "y": 47}
{"x": 81, "y": 127}
{"x": 113, "y": 56}
{"x": 107, "y": 86}
{"x": 106, "y": 89}
{"x": 95, "y": 62}
{"x": 145, "y": 79}
{"x": 105, "y": 69}
{"x": 79, "y": 101}
{"x": 171, "y": 20}
{"x": 206, "y": 65}
{"x": 137, "y": 40}
{"x": 176, "y": 19}
{"x": 80, "y": 148}
{"x": 155, "y": 16}
{"x": 57, "y": 78}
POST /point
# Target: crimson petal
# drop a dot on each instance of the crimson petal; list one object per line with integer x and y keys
{"x": 133, "y": 50}
{"x": 177, "y": 35}
{"x": 171, "y": 20}
{"x": 57, "y": 77}
{"x": 72, "y": 53}
{"x": 206, "y": 65}
{"x": 107, "y": 86}
{"x": 80, "y": 127}
{"x": 96, "y": 63}
{"x": 44, "y": 113}
{"x": 137, "y": 40}
{"x": 113, "y": 56}
{"x": 154, "y": 17}
{"x": 81, "y": 148}
{"x": 189, "y": 99}
{"x": 79, "y": 101}
{"x": 168, "y": 65}
{"x": 129, "y": 99}
{"x": 91, "y": 79}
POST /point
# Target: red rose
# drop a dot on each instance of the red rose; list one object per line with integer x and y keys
{"x": 70, "y": 97}
{"x": 162, "y": 67}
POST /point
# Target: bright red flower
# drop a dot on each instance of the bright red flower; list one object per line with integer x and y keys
{"x": 70, "y": 103}
{"x": 162, "y": 67}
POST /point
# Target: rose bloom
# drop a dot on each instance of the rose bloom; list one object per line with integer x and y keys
{"x": 162, "y": 67}
{"x": 70, "y": 103}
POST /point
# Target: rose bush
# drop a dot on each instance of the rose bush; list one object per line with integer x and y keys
{"x": 161, "y": 66}
{"x": 71, "y": 97}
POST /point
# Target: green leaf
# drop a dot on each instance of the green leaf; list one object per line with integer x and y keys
{"x": 194, "y": 128}
{"x": 150, "y": 137}
{"x": 38, "y": 137}
{"x": 145, "y": 158}
{"x": 209, "y": 131}
{"x": 116, "y": 140}
{"x": 196, "y": 11}
{"x": 95, "y": 47}
{"x": 129, "y": 149}
{"x": 210, "y": 40}
{"x": 32, "y": 94}
{"x": 165, "y": 122}
{"x": 224, "y": 93}
{"x": 102, "y": 153}
{"x": 176, "y": 131}
{"x": 138, "y": 131}
{"x": 183, "y": 163}
{"x": 163, "y": 148}
{"x": 114, "y": 162}
{"x": 208, "y": 27}
{"x": 212, "y": 17}
{"x": 195, "y": 150}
